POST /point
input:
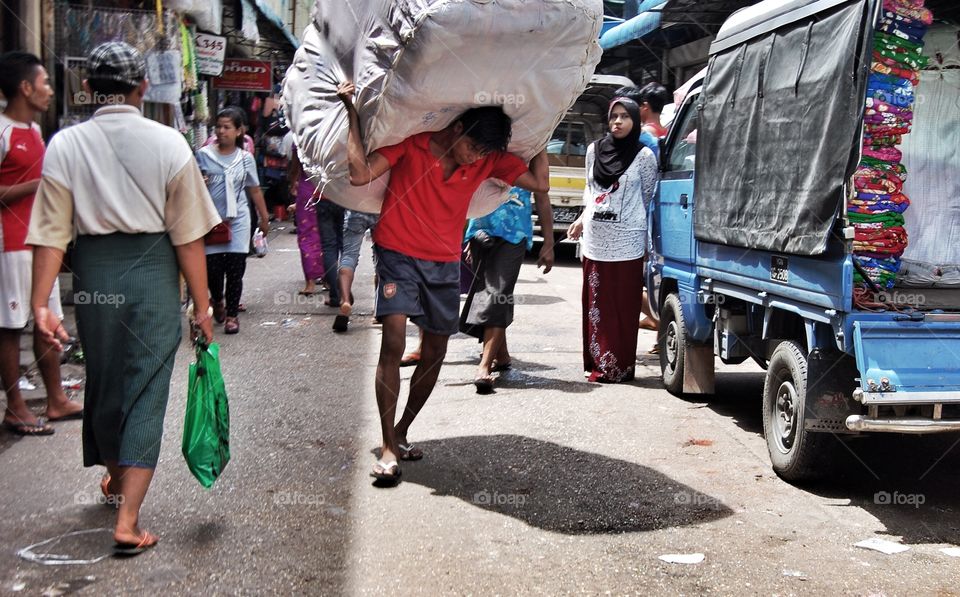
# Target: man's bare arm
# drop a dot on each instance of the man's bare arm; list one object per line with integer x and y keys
{"x": 363, "y": 168}
{"x": 537, "y": 179}
{"x": 15, "y": 192}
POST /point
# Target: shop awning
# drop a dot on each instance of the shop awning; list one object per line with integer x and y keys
{"x": 265, "y": 8}
{"x": 647, "y": 20}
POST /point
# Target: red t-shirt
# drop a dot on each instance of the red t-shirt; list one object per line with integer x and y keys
{"x": 21, "y": 160}
{"x": 422, "y": 214}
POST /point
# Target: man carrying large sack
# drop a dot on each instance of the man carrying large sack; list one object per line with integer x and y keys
{"x": 418, "y": 240}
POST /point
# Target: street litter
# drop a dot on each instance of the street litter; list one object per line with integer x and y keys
{"x": 72, "y": 383}
{"x": 267, "y": 323}
{"x": 794, "y": 573}
{"x": 25, "y": 384}
{"x": 881, "y": 545}
{"x": 697, "y": 442}
{"x": 682, "y": 558}
{"x": 51, "y": 559}
{"x": 953, "y": 552}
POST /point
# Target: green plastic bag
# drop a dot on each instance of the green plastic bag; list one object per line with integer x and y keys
{"x": 206, "y": 430}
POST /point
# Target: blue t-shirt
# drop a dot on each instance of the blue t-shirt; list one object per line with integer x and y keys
{"x": 511, "y": 221}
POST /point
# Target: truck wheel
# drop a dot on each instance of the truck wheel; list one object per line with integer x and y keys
{"x": 794, "y": 452}
{"x": 672, "y": 341}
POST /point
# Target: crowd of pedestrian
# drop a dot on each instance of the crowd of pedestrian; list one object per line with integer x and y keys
{"x": 149, "y": 210}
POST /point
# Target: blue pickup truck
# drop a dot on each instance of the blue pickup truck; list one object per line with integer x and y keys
{"x": 752, "y": 252}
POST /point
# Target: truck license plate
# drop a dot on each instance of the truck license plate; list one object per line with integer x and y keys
{"x": 779, "y": 269}
{"x": 565, "y": 214}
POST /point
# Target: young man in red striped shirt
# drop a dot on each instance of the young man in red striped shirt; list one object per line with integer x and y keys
{"x": 418, "y": 241}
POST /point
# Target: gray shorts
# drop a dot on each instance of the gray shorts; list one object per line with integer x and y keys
{"x": 428, "y": 292}
{"x": 355, "y": 225}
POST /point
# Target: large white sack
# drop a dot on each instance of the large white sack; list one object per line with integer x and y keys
{"x": 418, "y": 64}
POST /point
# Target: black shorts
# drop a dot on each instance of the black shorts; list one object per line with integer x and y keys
{"x": 428, "y": 292}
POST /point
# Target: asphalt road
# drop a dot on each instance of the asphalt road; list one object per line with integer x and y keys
{"x": 549, "y": 486}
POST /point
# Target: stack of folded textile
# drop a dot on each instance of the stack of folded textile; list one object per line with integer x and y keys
{"x": 876, "y": 209}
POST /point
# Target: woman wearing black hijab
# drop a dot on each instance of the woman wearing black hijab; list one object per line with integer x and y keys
{"x": 621, "y": 180}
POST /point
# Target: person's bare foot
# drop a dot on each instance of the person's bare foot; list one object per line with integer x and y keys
{"x": 20, "y": 416}
{"x": 647, "y": 323}
{"x": 66, "y": 409}
{"x": 309, "y": 287}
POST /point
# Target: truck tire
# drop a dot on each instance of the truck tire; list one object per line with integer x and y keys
{"x": 672, "y": 342}
{"x": 795, "y": 453}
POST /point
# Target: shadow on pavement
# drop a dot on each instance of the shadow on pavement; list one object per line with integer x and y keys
{"x": 556, "y": 488}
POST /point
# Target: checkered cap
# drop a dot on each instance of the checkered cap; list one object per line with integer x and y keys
{"x": 117, "y": 61}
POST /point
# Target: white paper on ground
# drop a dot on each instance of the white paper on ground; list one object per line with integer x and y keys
{"x": 682, "y": 558}
{"x": 881, "y": 545}
{"x": 953, "y": 552}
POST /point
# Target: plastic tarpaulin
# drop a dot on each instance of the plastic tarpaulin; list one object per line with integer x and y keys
{"x": 780, "y": 132}
{"x": 418, "y": 64}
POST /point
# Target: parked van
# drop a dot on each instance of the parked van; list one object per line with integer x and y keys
{"x": 753, "y": 244}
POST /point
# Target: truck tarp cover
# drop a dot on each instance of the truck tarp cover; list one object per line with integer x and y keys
{"x": 781, "y": 117}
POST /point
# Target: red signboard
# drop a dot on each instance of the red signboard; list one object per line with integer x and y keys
{"x": 245, "y": 75}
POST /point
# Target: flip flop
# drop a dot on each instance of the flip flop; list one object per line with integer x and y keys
{"x": 654, "y": 350}
{"x": 498, "y": 368}
{"x": 70, "y": 417}
{"x": 305, "y": 293}
{"x": 340, "y": 323}
{"x": 410, "y": 359}
{"x": 384, "y": 473}
{"x": 29, "y": 429}
{"x": 133, "y": 549}
{"x": 410, "y": 452}
{"x": 484, "y": 385}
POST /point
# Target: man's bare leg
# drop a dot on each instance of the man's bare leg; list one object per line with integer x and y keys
{"x": 345, "y": 278}
{"x": 17, "y": 412}
{"x": 48, "y": 361}
{"x": 392, "y": 344}
{"x": 433, "y": 348}
{"x": 131, "y": 484}
{"x": 493, "y": 339}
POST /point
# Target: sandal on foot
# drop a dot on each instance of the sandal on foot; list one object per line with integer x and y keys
{"x": 410, "y": 452}
{"x": 500, "y": 368}
{"x": 654, "y": 350}
{"x": 386, "y": 471}
{"x": 410, "y": 359}
{"x": 38, "y": 428}
{"x": 132, "y": 549}
{"x": 340, "y": 323}
{"x": 232, "y": 326}
{"x": 484, "y": 385}
{"x": 219, "y": 312}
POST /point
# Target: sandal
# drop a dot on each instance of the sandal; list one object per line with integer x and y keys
{"x": 232, "y": 326}
{"x": 410, "y": 359}
{"x": 132, "y": 549}
{"x": 654, "y": 350}
{"x": 219, "y": 312}
{"x": 29, "y": 429}
{"x": 386, "y": 471}
{"x": 500, "y": 368}
{"x": 484, "y": 384}
{"x": 410, "y": 452}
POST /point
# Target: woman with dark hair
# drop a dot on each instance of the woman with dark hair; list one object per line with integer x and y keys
{"x": 231, "y": 174}
{"x": 621, "y": 180}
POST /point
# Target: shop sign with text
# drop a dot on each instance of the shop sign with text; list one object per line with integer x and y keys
{"x": 245, "y": 75}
